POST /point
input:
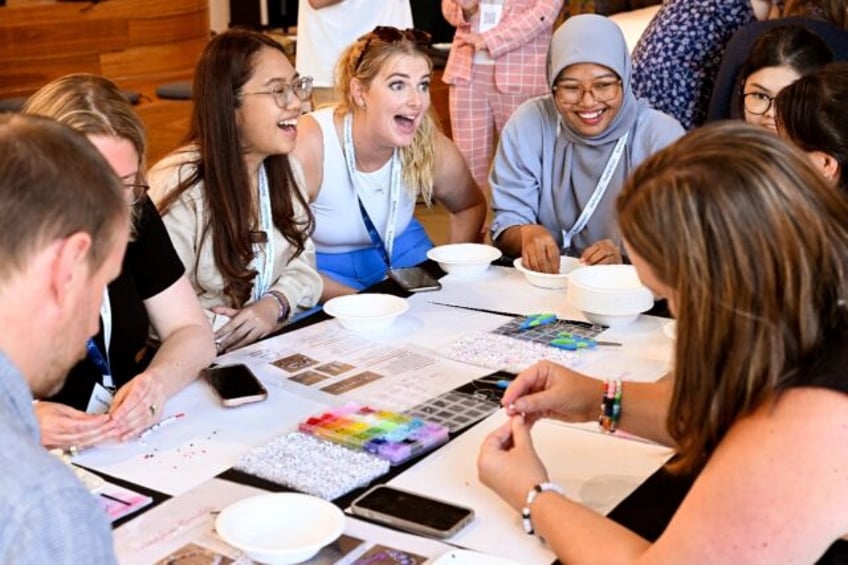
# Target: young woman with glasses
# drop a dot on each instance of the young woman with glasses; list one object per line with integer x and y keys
{"x": 121, "y": 387}
{"x": 231, "y": 197}
{"x": 563, "y": 158}
{"x": 778, "y": 58}
{"x": 369, "y": 158}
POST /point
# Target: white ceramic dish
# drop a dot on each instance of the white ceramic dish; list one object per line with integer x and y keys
{"x": 279, "y": 528}
{"x": 611, "y": 295}
{"x": 366, "y": 312}
{"x": 464, "y": 259}
{"x": 550, "y": 280}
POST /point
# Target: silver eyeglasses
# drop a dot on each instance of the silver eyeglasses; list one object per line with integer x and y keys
{"x": 282, "y": 95}
{"x": 572, "y": 92}
{"x": 757, "y": 103}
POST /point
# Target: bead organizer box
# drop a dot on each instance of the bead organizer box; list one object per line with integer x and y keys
{"x": 389, "y": 435}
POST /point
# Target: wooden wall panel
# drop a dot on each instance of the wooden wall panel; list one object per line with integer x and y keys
{"x": 165, "y": 60}
{"x": 141, "y": 41}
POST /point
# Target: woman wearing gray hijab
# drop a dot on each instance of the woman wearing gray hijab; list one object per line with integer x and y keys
{"x": 563, "y": 157}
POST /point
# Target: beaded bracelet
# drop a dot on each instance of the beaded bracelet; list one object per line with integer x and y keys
{"x": 531, "y": 496}
{"x": 610, "y": 406}
{"x": 282, "y": 302}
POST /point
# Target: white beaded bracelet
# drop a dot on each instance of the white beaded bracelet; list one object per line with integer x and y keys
{"x": 531, "y": 496}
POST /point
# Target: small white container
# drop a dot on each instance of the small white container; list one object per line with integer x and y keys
{"x": 610, "y": 295}
{"x": 280, "y": 528}
{"x": 366, "y": 312}
{"x": 464, "y": 259}
{"x": 550, "y": 280}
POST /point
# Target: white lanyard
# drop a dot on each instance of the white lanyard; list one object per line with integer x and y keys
{"x": 265, "y": 267}
{"x": 597, "y": 195}
{"x": 106, "y": 316}
{"x": 394, "y": 186}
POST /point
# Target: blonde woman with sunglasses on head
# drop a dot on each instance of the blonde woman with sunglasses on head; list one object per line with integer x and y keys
{"x": 231, "y": 198}
{"x": 368, "y": 159}
{"x": 122, "y": 385}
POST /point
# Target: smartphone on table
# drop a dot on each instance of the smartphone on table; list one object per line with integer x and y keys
{"x": 412, "y": 512}
{"x": 235, "y": 384}
{"x": 414, "y": 279}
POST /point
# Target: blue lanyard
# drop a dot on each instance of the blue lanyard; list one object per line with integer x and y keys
{"x": 100, "y": 362}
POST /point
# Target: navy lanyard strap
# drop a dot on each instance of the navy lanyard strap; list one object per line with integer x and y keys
{"x": 373, "y": 234}
{"x": 100, "y": 362}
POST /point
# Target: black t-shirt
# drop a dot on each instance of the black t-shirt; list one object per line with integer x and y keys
{"x": 150, "y": 266}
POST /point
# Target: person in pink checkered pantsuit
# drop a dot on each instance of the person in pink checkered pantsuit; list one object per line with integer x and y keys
{"x": 496, "y": 62}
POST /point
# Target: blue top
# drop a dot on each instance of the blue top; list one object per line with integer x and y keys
{"x": 677, "y": 58}
{"x": 46, "y": 514}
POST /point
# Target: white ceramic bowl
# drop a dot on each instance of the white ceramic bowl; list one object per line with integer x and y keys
{"x": 464, "y": 259}
{"x": 366, "y": 312}
{"x": 550, "y": 280}
{"x": 611, "y": 295}
{"x": 282, "y": 527}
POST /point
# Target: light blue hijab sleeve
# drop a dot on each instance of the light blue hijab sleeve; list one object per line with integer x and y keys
{"x": 544, "y": 172}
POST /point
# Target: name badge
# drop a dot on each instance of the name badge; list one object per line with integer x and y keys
{"x": 100, "y": 401}
{"x": 490, "y": 14}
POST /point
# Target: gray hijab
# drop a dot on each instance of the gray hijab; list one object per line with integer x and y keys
{"x": 594, "y": 39}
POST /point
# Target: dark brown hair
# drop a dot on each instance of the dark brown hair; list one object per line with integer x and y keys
{"x": 834, "y": 11}
{"x": 811, "y": 112}
{"x": 754, "y": 247}
{"x": 226, "y": 64}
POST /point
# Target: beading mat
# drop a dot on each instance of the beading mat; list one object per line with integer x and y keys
{"x": 311, "y": 465}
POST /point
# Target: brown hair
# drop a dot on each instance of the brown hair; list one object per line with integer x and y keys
{"x": 226, "y": 64}
{"x": 834, "y": 11}
{"x": 92, "y": 105}
{"x": 53, "y": 183}
{"x": 363, "y": 60}
{"x": 753, "y": 244}
{"x": 811, "y": 112}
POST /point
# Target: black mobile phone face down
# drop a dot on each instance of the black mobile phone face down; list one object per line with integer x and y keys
{"x": 413, "y": 512}
{"x": 415, "y": 279}
{"x": 235, "y": 384}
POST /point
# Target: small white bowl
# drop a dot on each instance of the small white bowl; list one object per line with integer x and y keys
{"x": 366, "y": 312}
{"x": 464, "y": 259}
{"x": 550, "y": 280}
{"x": 279, "y": 528}
{"x": 611, "y": 295}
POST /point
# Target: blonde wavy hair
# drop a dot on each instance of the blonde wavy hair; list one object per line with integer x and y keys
{"x": 363, "y": 60}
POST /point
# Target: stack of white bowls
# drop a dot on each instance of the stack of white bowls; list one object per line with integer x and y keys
{"x": 610, "y": 295}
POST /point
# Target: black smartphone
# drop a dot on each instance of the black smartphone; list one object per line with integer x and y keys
{"x": 411, "y": 512}
{"x": 235, "y": 384}
{"x": 414, "y": 279}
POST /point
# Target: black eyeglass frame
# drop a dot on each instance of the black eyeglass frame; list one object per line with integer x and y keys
{"x": 760, "y": 95}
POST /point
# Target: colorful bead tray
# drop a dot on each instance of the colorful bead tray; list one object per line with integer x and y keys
{"x": 389, "y": 435}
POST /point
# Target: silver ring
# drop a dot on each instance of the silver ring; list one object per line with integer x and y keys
{"x": 73, "y": 450}
{"x": 153, "y": 410}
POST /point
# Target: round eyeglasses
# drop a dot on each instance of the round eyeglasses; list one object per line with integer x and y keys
{"x": 757, "y": 103}
{"x": 572, "y": 92}
{"x": 301, "y": 87}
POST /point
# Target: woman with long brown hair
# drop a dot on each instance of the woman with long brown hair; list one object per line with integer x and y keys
{"x": 231, "y": 197}
{"x": 749, "y": 245}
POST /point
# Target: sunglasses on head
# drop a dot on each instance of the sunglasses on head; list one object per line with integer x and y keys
{"x": 388, "y": 34}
